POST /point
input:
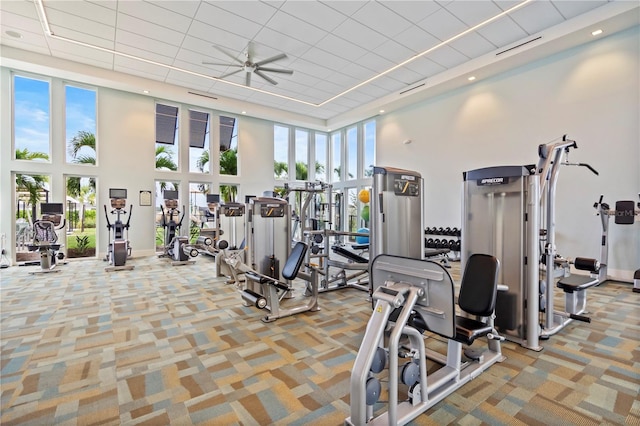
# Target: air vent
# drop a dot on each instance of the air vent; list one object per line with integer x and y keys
{"x": 519, "y": 45}
{"x": 203, "y": 95}
{"x": 413, "y": 88}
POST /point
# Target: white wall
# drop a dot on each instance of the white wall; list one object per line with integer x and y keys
{"x": 591, "y": 93}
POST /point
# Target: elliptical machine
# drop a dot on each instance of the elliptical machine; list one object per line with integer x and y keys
{"x": 176, "y": 247}
{"x": 119, "y": 247}
{"x": 45, "y": 238}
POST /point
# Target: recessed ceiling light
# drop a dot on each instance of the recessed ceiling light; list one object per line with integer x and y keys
{"x": 244, "y": 112}
{"x": 381, "y": 111}
{"x": 145, "y": 91}
{"x": 473, "y": 77}
{"x": 13, "y": 34}
{"x": 596, "y": 32}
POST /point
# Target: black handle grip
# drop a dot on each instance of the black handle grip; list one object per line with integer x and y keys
{"x": 579, "y": 317}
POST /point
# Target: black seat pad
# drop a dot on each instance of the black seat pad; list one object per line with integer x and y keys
{"x": 576, "y": 282}
{"x": 349, "y": 254}
{"x": 469, "y": 329}
{"x": 435, "y": 252}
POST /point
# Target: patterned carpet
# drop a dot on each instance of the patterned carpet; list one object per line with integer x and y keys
{"x": 165, "y": 345}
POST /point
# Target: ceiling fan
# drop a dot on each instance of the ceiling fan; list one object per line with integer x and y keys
{"x": 250, "y": 67}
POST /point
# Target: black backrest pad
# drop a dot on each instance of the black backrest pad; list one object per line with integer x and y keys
{"x": 625, "y": 212}
{"x": 479, "y": 285}
{"x": 294, "y": 261}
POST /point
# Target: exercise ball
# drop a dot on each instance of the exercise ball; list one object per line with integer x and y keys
{"x": 362, "y": 240}
{"x": 363, "y": 196}
{"x": 364, "y": 214}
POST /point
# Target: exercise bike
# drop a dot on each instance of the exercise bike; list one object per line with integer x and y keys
{"x": 45, "y": 238}
{"x": 119, "y": 247}
{"x": 176, "y": 247}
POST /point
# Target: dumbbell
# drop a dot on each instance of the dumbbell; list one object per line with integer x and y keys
{"x": 458, "y": 245}
{"x": 443, "y": 244}
{"x": 447, "y": 231}
{"x": 436, "y": 243}
{"x": 452, "y": 244}
{"x": 430, "y": 243}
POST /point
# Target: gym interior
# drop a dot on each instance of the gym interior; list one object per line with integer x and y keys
{"x": 458, "y": 243}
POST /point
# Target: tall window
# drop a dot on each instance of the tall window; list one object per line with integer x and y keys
{"x": 82, "y": 216}
{"x": 199, "y": 142}
{"x": 229, "y": 193}
{"x": 228, "y": 146}
{"x": 31, "y": 191}
{"x": 321, "y": 157}
{"x": 302, "y": 155}
{"x": 281, "y": 152}
{"x": 166, "y": 137}
{"x": 80, "y": 129}
{"x": 31, "y": 118}
{"x": 336, "y": 156}
{"x": 352, "y": 153}
{"x": 369, "y": 147}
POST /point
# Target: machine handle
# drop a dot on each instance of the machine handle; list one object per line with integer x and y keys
{"x": 107, "y": 216}
{"x": 580, "y": 317}
{"x": 129, "y": 218}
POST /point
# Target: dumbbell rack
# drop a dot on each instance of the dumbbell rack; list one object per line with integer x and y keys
{"x": 453, "y": 243}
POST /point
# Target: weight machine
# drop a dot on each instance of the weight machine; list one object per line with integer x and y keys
{"x": 315, "y": 223}
{"x": 45, "y": 237}
{"x": 231, "y": 217}
{"x": 119, "y": 247}
{"x": 176, "y": 246}
{"x": 412, "y": 296}
{"x": 503, "y": 209}
{"x": 624, "y": 213}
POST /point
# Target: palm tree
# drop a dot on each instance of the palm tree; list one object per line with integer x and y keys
{"x": 33, "y": 184}
{"x": 164, "y": 159}
{"x": 280, "y": 169}
{"x": 229, "y": 162}
{"x": 81, "y": 140}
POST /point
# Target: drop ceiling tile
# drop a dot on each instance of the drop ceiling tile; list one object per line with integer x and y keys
{"x": 24, "y": 8}
{"x": 536, "y": 16}
{"x": 276, "y": 40}
{"x": 137, "y": 71}
{"x": 309, "y": 68}
{"x": 416, "y": 39}
{"x": 111, "y": 4}
{"x": 59, "y": 47}
{"x": 414, "y": 11}
{"x": 19, "y": 23}
{"x": 357, "y": 71}
{"x": 214, "y": 36}
{"x": 425, "y": 67}
{"x": 375, "y": 62}
{"x": 58, "y": 19}
{"x": 472, "y": 45}
{"x": 339, "y": 82}
{"x": 388, "y": 84}
{"x": 186, "y": 8}
{"x": 325, "y": 59}
{"x": 85, "y": 38}
{"x": 189, "y": 80}
{"x": 145, "y": 46}
{"x": 158, "y": 15}
{"x": 296, "y": 28}
{"x": 198, "y": 68}
{"x": 570, "y": 9}
{"x": 359, "y": 96}
{"x": 348, "y": 7}
{"x": 359, "y": 34}
{"x": 140, "y": 67}
{"x": 81, "y": 9}
{"x": 473, "y": 12}
{"x": 447, "y": 57}
{"x": 258, "y": 12}
{"x": 340, "y": 47}
{"x": 227, "y": 21}
{"x": 381, "y": 19}
{"x": 406, "y": 75}
{"x": 502, "y": 32}
{"x": 314, "y": 13}
{"x": 30, "y": 41}
{"x": 373, "y": 90}
{"x": 506, "y": 4}
{"x": 442, "y": 24}
{"x": 149, "y": 30}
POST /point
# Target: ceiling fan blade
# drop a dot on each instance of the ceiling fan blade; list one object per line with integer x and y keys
{"x": 247, "y": 81}
{"x": 230, "y": 73}
{"x": 220, "y": 64}
{"x": 266, "y": 77}
{"x": 227, "y": 53}
{"x": 271, "y": 59}
{"x": 275, "y": 70}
